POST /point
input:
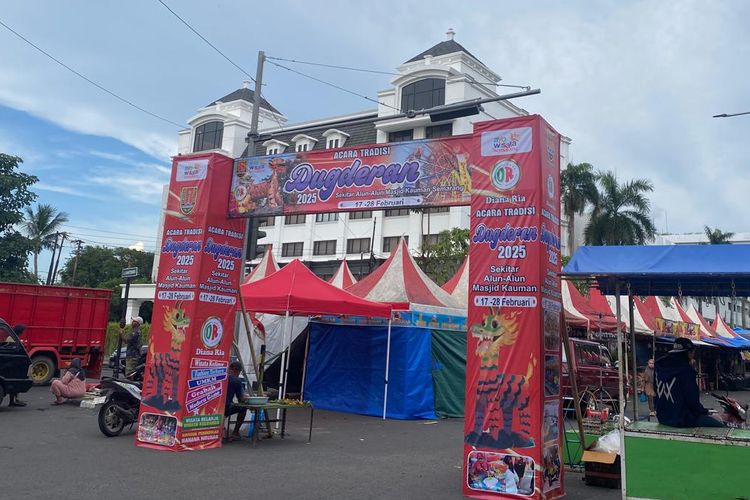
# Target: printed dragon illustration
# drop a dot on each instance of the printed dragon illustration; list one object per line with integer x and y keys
{"x": 500, "y": 396}
{"x": 162, "y": 387}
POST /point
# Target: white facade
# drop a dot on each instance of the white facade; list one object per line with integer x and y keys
{"x": 465, "y": 78}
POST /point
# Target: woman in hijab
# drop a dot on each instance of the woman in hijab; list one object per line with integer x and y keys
{"x": 72, "y": 385}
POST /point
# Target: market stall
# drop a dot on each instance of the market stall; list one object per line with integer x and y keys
{"x": 647, "y": 448}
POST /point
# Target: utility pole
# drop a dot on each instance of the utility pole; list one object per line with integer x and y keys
{"x": 57, "y": 261}
{"x": 78, "y": 244}
{"x": 52, "y": 261}
{"x": 372, "y": 247}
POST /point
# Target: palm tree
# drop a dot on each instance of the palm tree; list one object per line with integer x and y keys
{"x": 42, "y": 226}
{"x": 578, "y": 189}
{"x": 716, "y": 236}
{"x": 622, "y": 215}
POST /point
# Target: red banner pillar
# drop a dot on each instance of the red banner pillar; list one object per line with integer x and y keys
{"x": 192, "y": 326}
{"x": 513, "y": 408}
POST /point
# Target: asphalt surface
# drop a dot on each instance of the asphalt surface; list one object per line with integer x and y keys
{"x": 58, "y": 452}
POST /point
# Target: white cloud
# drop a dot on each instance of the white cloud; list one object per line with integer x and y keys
{"x": 67, "y": 190}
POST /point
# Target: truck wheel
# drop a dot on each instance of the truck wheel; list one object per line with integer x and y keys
{"x": 42, "y": 369}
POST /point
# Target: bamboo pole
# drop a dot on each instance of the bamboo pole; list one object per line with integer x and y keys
{"x": 249, "y": 333}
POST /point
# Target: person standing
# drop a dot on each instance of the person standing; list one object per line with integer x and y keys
{"x": 133, "y": 343}
{"x": 648, "y": 387}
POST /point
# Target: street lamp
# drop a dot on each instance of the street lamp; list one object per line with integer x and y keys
{"x": 725, "y": 115}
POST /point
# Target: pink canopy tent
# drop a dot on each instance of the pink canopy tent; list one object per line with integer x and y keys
{"x": 343, "y": 278}
{"x": 458, "y": 285}
{"x": 266, "y": 267}
{"x": 399, "y": 281}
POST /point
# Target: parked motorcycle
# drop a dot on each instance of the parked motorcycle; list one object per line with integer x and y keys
{"x": 120, "y": 408}
{"x": 735, "y": 415}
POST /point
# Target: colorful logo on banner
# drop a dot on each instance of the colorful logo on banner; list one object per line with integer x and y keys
{"x": 409, "y": 174}
{"x": 211, "y": 332}
{"x": 506, "y": 174}
{"x": 188, "y": 199}
{"x": 506, "y": 142}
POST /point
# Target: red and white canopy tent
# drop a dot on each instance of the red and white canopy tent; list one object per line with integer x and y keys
{"x": 400, "y": 282}
{"x": 578, "y": 312}
{"x": 723, "y": 329}
{"x": 343, "y": 278}
{"x": 296, "y": 291}
{"x": 643, "y": 321}
{"x": 458, "y": 285}
{"x": 266, "y": 267}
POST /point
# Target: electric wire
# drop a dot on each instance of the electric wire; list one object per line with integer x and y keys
{"x": 110, "y": 232}
{"x": 89, "y": 80}
{"x": 332, "y": 85}
{"x": 222, "y": 54}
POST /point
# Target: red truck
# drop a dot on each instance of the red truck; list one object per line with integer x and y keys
{"x": 62, "y": 323}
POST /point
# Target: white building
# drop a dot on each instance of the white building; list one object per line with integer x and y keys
{"x": 443, "y": 74}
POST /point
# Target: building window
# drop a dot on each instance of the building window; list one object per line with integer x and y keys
{"x": 332, "y": 143}
{"x": 327, "y": 217}
{"x": 292, "y": 249}
{"x": 266, "y": 221}
{"x": 272, "y": 151}
{"x": 423, "y": 94}
{"x": 327, "y": 247}
{"x": 365, "y": 214}
{"x": 401, "y": 136}
{"x": 438, "y": 131}
{"x": 390, "y": 243}
{"x": 430, "y": 239}
{"x": 437, "y": 210}
{"x": 301, "y": 147}
{"x": 396, "y": 212}
{"x": 335, "y": 138}
{"x": 208, "y": 136}
{"x": 358, "y": 245}
{"x": 290, "y": 220}
{"x": 260, "y": 250}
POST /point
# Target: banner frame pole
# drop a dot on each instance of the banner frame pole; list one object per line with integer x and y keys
{"x": 387, "y": 366}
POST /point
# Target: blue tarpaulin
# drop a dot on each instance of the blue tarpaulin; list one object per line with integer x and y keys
{"x": 346, "y": 370}
{"x": 695, "y": 270}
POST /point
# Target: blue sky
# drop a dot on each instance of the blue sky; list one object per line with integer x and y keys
{"x": 633, "y": 84}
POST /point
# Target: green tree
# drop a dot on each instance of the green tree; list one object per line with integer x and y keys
{"x": 716, "y": 236}
{"x": 622, "y": 214}
{"x": 101, "y": 267}
{"x": 42, "y": 226}
{"x": 14, "y": 197}
{"x": 442, "y": 259}
{"x": 577, "y": 191}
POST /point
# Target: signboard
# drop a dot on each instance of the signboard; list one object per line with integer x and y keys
{"x": 425, "y": 173}
{"x": 130, "y": 272}
{"x": 671, "y": 328}
{"x": 184, "y": 385}
{"x": 513, "y": 406}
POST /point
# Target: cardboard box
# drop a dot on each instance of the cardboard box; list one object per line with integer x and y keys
{"x": 601, "y": 469}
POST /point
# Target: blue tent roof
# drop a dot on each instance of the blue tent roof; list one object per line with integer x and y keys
{"x": 695, "y": 270}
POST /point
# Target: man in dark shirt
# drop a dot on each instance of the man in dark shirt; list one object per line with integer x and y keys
{"x": 133, "y": 343}
{"x": 13, "y": 397}
{"x": 677, "y": 396}
{"x": 235, "y": 390}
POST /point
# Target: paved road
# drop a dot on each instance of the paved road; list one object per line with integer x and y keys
{"x": 58, "y": 452}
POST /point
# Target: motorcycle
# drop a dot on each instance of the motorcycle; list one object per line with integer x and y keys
{"x": 735, "y": 415}
{"x": 120, "y": 408}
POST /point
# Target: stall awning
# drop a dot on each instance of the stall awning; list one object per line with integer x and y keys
{"x": 695, "y": 270}
{"x": 296, "y": 290}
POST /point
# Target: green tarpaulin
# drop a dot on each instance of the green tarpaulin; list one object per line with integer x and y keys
{"x": 449, "y": 372}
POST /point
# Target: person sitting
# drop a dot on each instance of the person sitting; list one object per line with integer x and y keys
{"x": 235, "y": 389}
{"x": 72, "y": 385}
{"x": 677, "y": 395}
{"x": 13, "y": 397}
